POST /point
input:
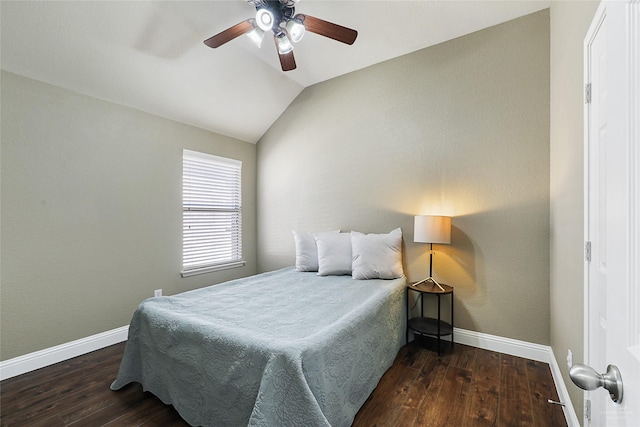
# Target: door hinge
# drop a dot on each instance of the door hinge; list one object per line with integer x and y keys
{"x": 587, "y": 251}
{"x": 587, "y": 409}
{"x": 587, "y": 93}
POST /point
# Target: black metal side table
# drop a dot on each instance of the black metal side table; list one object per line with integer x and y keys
{"x": 430, "y": 326}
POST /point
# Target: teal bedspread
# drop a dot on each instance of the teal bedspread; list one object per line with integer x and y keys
{"x": 283, "y": 348}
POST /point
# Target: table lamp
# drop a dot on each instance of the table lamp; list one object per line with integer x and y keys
{"x": 431, "y": 229}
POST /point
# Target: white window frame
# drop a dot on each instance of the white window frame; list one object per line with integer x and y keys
{"x": 211, "y": 213}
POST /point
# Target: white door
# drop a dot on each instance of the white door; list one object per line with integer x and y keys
{"x": 612, "y": 201}
{"x": 596, "y": 204}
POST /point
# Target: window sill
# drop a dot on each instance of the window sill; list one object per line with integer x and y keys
{"x": 211, "y": 269}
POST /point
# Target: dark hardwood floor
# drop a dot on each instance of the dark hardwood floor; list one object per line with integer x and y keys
{"x": 466, "y": 387}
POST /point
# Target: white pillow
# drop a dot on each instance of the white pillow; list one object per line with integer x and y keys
{"x": 334, "y": 253}
{"x": 377, "y": 256}
{"x": 306, "y": 250}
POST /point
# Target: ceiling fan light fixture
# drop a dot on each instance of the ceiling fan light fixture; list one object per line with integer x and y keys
{"x": 296, "y": 29}
{"x": 264, "y": 19}
{"x": 256, "y": 35}
{"x": 284, "y": 45}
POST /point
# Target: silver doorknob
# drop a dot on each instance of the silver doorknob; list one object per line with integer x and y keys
{"x": 587, "y": 378}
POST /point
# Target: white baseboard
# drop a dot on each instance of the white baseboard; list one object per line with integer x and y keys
{"x": 510, "y": 346}
{"x": 540, "y": 353}
{"x": 563, "y": 393}
{"x": 49, "y": 356}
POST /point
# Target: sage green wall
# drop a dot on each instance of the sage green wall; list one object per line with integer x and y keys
{"x": 569, "y": 24}
{"x": 91, "y": 212}
{"x": 461, "y": 129}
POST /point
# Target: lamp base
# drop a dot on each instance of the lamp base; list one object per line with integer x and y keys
{"x": 429, "y": 279}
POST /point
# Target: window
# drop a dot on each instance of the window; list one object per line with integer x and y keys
{"x": 211, "y": 213}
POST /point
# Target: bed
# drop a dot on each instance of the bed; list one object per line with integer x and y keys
{"x": 276, "y": 349}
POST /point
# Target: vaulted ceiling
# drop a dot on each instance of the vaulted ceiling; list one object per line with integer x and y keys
{"x": 149, "y": 55}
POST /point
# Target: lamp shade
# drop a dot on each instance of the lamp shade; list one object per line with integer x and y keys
{"x": 296, "y": 29}
{"x": 432, "y": 229}
{"x": 284, "y": 45}
{"x": 256, "y": 35}
{"x": 264, "y": 19}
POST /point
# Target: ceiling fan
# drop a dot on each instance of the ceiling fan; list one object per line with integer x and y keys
{"x": 278, "y": 17}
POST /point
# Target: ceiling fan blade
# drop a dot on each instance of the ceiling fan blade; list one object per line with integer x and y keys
{"x": 230, "y": 34}
{"x": 287, "y": 61}
{"x": 328, "y": 29}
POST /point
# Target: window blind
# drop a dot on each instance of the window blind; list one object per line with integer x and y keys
{"x": 211, "y": 213}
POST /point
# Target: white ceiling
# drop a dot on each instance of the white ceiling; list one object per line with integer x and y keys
{"x": 149, "y": 55}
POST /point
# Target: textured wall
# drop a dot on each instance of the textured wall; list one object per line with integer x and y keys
{"x": 91, "y": 212}
{"x": 460, "y": 129}
{"x": 569, "y": 24}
